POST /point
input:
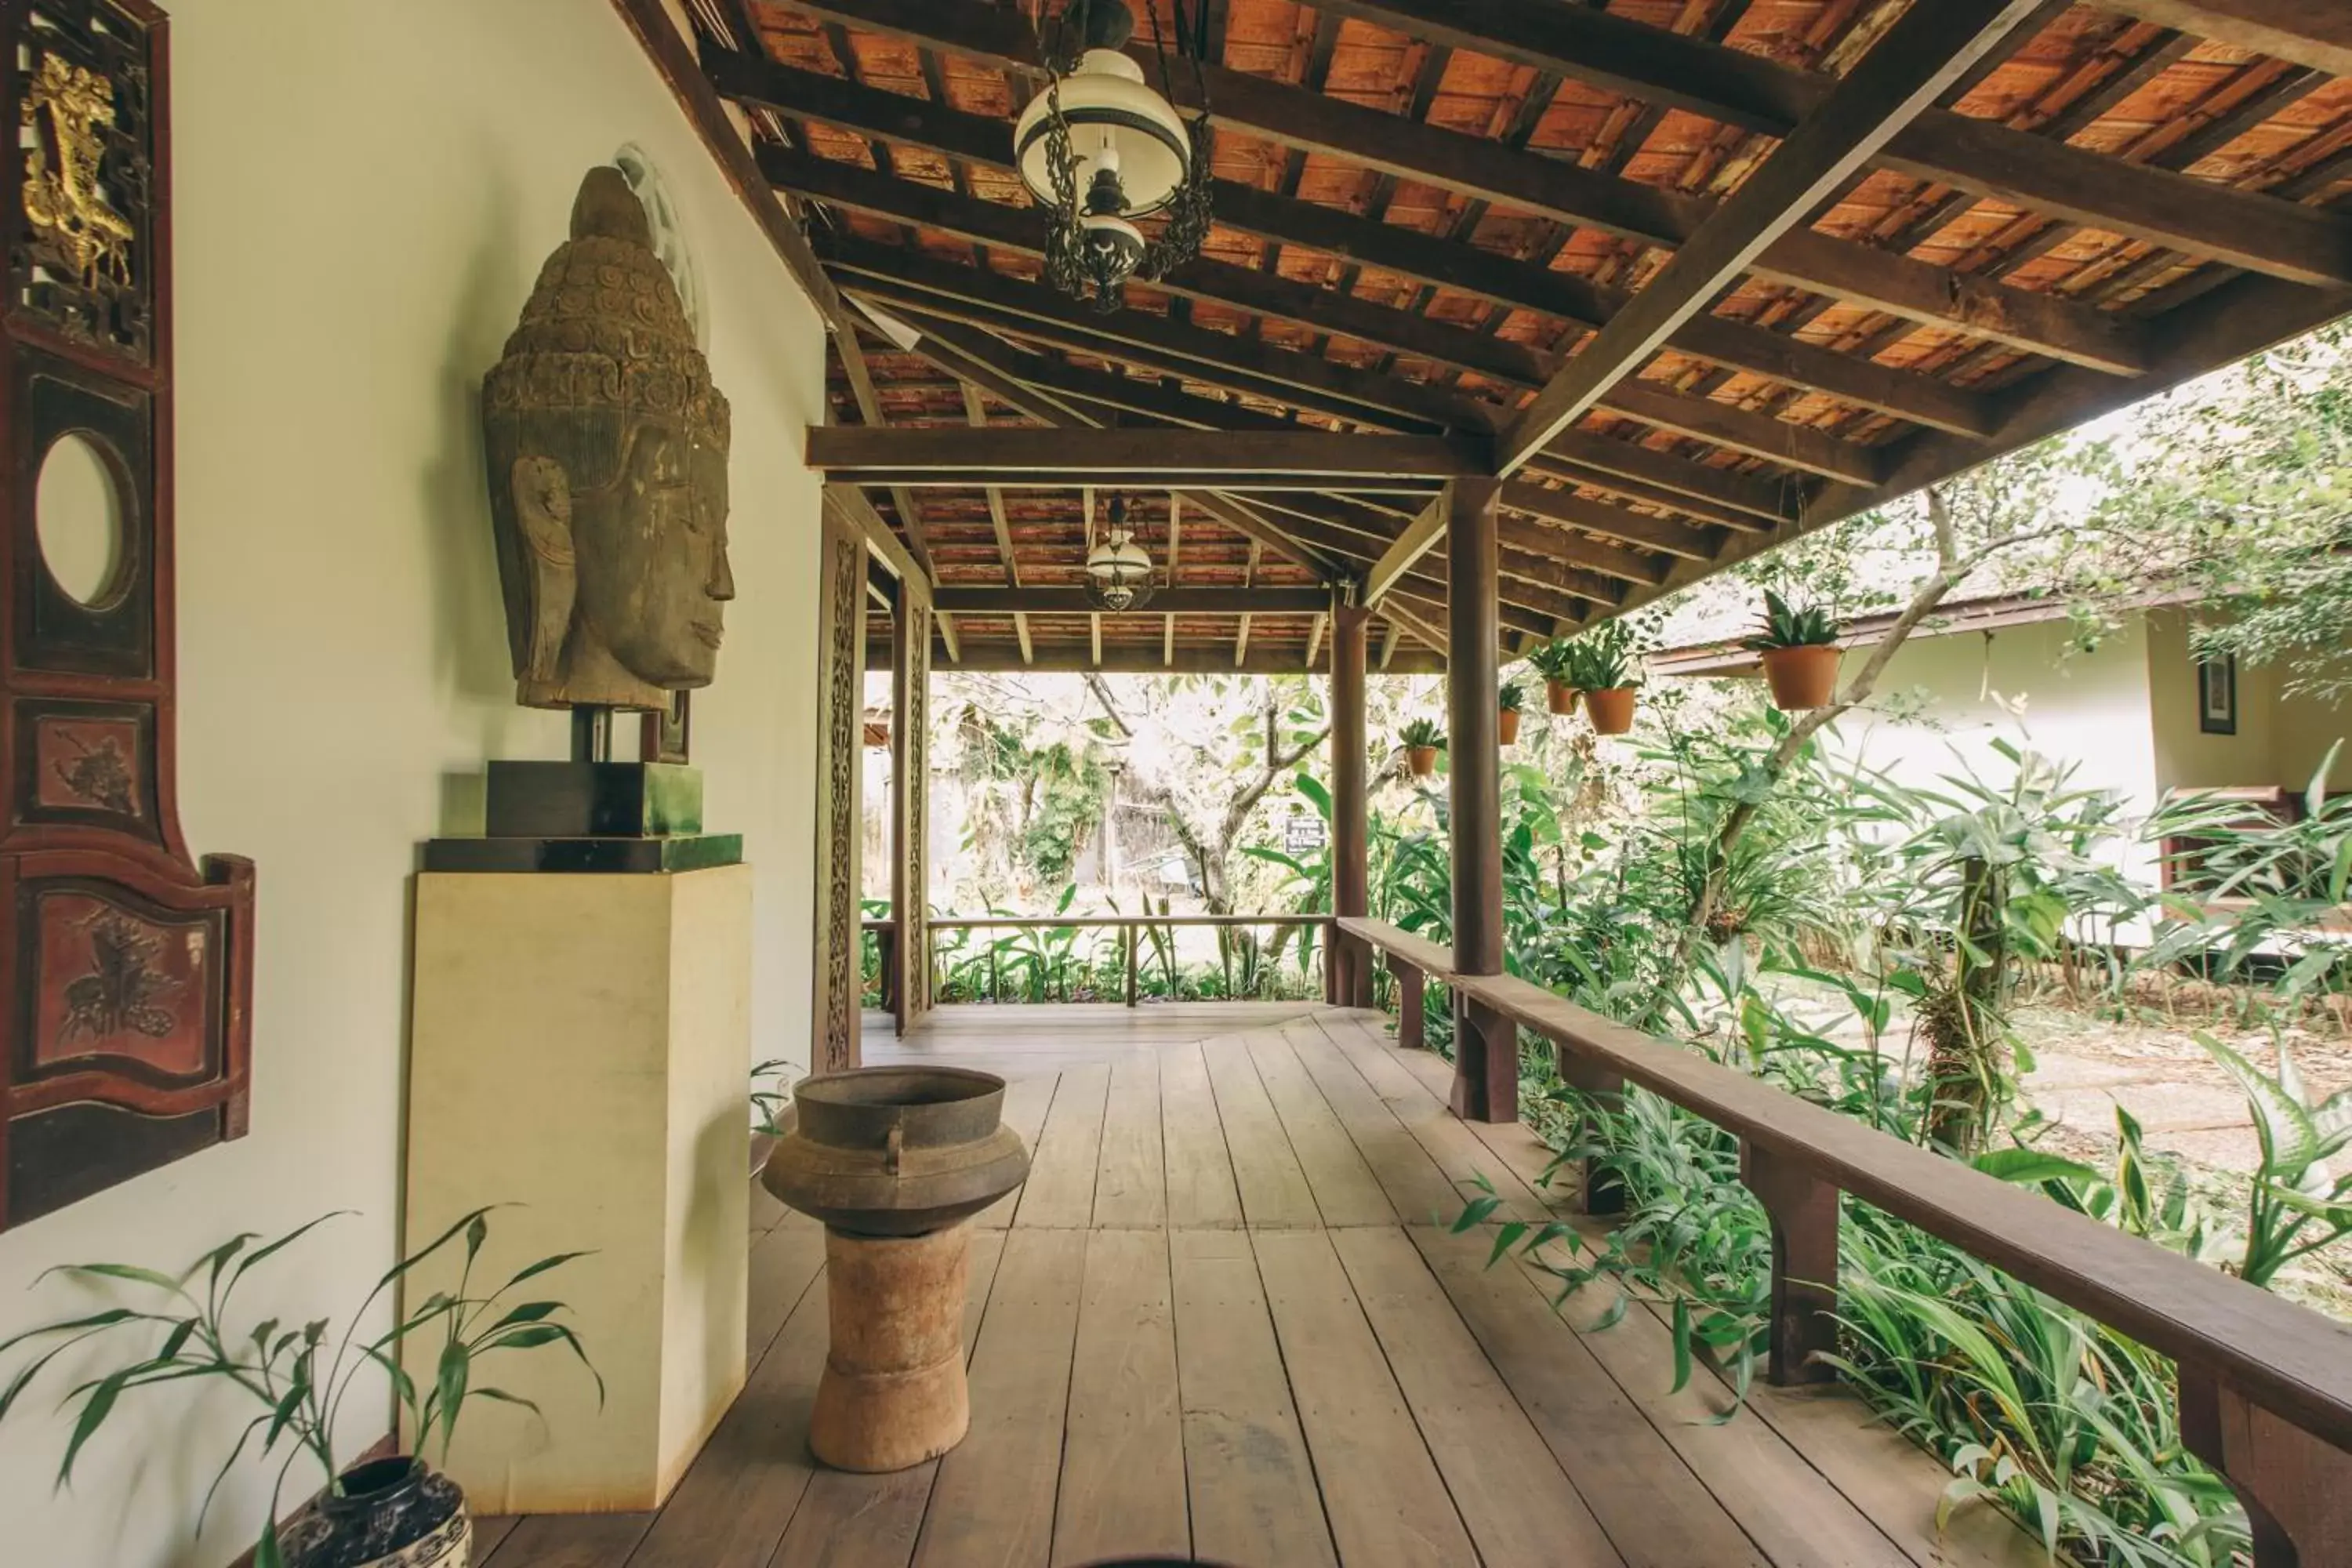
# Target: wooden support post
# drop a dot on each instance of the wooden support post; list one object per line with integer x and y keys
{"x": 1409, "y": 1014}
{"x": 835, "y": 995}
{"x": 1347, "y": 962}
{"x": 885, "y": 957}
{"x": 1805, "y": 1212}
{"x": 908, "y": 986}
{"x": 1485, "y": 1043}
{"x": 1599, "y": 1192}
{"x": 2297, "y": 1488}
{"x": 1127, "y": 945}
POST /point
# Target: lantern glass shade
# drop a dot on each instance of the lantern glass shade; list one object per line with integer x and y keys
{"x": 1116, "y": 122}
{"x": 1119, "y": 572}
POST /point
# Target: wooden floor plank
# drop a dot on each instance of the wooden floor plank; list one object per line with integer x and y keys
{"x": 1416, "y": 1188}
{"x": 1201, "y": 1191}
{"x": 1794, "y": 1516}
{"x": 1122, "y": 1483}
{"x": 1381, "y": 1489}
{"x": 1265, "y": 1168}
{"x": 572, "y": 1541}
{"x": 871, "y": 1522}
{"x": 1026, "y": 1103}
{"x": 1345, "y": 1191}
{"x": 1060, "y": 1193}
{"x": 1457, "y": 1151}
{"x": 488, "y": 1533}
{"x": 1521, "y": 1510}
{"x": 1131, "y": 1181}
{"x": 734, "y": 1504}
{"x": 993, "y": 1500}
{"x": 1515, "y": 1144}
{"x": 1655, "y": 1512}
{"x": 1247, "y": 1473}
{"x": 783, "y": 1261}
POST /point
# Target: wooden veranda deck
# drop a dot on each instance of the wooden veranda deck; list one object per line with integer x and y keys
{"x": 1220, "y": 1322}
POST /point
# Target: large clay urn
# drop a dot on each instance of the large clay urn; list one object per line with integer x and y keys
{"x": 894, "y": 1161}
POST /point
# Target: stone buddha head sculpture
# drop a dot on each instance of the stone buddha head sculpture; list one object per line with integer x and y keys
{"x": 607, "y": 455}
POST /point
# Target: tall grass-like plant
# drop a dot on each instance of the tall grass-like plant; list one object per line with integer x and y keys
{"x": 299, "y": 1375}
{"x": 2296, "y": 1204}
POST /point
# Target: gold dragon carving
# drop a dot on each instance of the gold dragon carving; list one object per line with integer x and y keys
{"x": 66, "y": 203}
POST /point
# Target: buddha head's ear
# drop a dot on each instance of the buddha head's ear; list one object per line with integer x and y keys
{"x": 541, "y": 492}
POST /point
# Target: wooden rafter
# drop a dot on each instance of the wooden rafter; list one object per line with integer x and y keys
{"x": 1152, "y": 458}
{"x": 2316, "y": 34}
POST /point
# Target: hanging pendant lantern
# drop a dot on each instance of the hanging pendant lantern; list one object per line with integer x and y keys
{"x": 1100, "y": 149}
{"x": 1119, "y": 572}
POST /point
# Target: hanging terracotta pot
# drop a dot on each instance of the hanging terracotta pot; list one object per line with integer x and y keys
{"x": 386, "y": 1514}
{"x": 1421, "y": 760}
{"x": 1506, "y": 726}
{"x": 1560, "y": 695}
{"x": 1611, "y": 710}
{"x": 1802, "y": 677}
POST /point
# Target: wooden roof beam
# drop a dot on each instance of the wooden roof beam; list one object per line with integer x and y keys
{"x": 1732, "y": 86}
{"x": 1902, "y": 75}
{"x": 2313, "y": 32}
{"x": 1151, "y": 458}
{"x": 1243, "y": 601}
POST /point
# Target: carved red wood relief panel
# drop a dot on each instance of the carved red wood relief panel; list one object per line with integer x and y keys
{"x": 125, "y": 963}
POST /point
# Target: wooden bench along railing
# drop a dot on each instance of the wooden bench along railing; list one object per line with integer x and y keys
{"x": 1128, "y": 926}
{"x": 2265, "y": 1385}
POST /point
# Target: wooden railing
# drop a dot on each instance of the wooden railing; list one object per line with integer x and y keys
{"x": 2266, "y": 1386}
{"x": 1128, "y": 926}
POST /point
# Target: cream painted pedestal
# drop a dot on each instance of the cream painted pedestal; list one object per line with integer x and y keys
{"x": 581, "y": 1043}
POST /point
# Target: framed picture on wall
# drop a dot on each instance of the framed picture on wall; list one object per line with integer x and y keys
{"x": 2217, "y": 695}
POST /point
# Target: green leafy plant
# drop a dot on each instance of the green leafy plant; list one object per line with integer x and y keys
{"x": 1421, "y": 732}
{"x": 1556, "y": 662}
{"x": 2297, "y": 1205}
{"x": 1785, "y": 625}
{"x": 1511, "y": 698}
{"x": 298, "y": 1375}
{"x": 1603, "y": 660}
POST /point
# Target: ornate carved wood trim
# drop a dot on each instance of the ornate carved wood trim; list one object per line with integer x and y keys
{"x": 840, "y": 678}
{"x": 126, "y": 964}
{"x": 910, "y": 657}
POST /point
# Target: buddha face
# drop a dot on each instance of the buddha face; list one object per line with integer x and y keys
{"x": 651, "y": 545}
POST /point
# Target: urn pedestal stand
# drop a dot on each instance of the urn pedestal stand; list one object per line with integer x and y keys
{"x": 580, "y": 1025}
{"x": 894, "y": 1161}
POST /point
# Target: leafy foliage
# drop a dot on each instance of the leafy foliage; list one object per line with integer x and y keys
{"x": 1785, "y": 625}
{"x": 1603, "y": 658}
{"x": 1421, "y": 732}
{"x": 298, "y": 1373}
{"x": 1511, "y": 698}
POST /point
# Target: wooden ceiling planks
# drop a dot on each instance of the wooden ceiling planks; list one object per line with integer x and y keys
{"x": 1427, "y": 204}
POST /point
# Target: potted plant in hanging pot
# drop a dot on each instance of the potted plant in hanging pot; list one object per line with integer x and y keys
{"x": 1800, "y": 654}
{"x": 1422, "y": 740}
{"x": 1510, "y": 700}
{"x": 1555, "y": 662}
{"x": 390, "y": 1512}
{"x": 1604, "y": 669}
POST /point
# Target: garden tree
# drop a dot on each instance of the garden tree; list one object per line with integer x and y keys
{"x": 1206, "y": 750}
{"x": 2245, "y": 477}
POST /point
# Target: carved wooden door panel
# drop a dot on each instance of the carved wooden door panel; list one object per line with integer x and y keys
{"x": 841, "y": 737}
{"x": 125, "y": 964}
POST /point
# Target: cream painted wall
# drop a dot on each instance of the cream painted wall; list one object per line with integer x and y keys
{"x": 2281, "y": 740}
{"x": 1945, "y": 701}
{"x": 364, "y": 194}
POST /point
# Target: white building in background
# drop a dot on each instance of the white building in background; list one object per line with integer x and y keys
{"x": 2139, "y": 714}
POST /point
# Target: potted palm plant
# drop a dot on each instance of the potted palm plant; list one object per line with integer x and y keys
{"x": 1422, "y": 740}
{"x": 1603, "y": 667}
{"x": 1801, "y": 653}
{"x": 1555, "y": 662}
{"x": 390, "y": 1512}
{"x": 1511, "y": 698}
